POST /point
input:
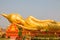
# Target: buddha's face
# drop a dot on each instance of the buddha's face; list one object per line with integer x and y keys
{"x": 15, "y": 19}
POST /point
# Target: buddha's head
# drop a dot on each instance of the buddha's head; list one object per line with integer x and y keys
{"x": 13, "y": 18}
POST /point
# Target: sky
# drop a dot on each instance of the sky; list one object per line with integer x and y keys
{"x": 40, "y": 9}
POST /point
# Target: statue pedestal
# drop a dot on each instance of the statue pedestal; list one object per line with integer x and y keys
{"x": 12, "y": 38}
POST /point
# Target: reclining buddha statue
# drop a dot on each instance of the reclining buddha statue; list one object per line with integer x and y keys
{"x": 32, "y": 23}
